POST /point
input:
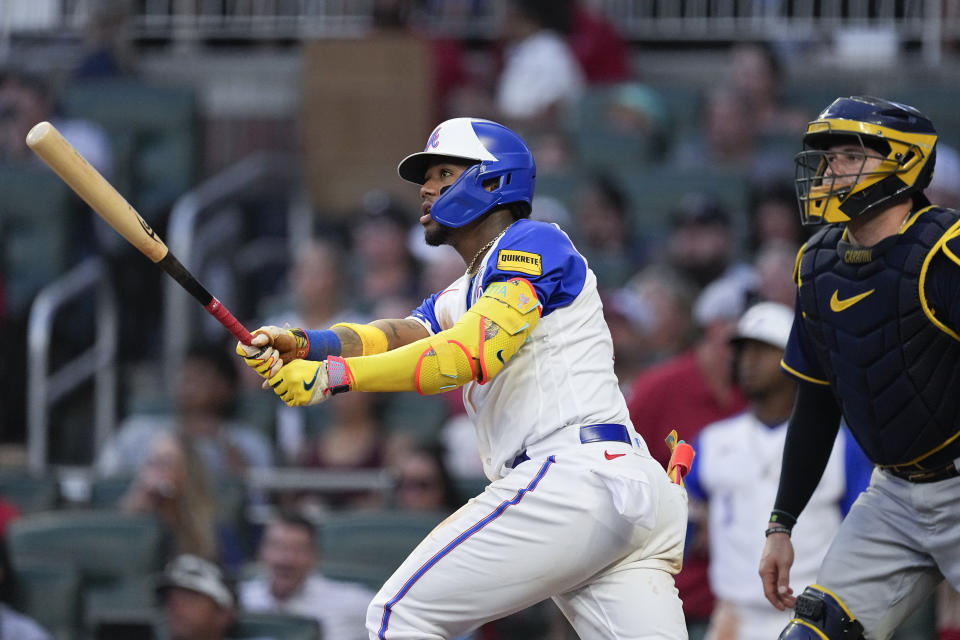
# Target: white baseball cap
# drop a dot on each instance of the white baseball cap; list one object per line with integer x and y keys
{"x": 196, "y": 574}
{"x": 768, "y": 322}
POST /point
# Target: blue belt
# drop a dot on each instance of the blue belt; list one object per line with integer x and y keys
{"x": 590, "y": 433}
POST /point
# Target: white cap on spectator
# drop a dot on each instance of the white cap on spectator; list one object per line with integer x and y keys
{"x": 768, "y": 322}
{"x": 196, "y": 574}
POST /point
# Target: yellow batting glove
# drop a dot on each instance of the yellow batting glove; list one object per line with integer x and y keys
{"x": 271, "y": 347}
{"x": 302, "y": 383}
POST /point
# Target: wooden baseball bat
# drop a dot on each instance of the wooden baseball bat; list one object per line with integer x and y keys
{"x": 94, "y": 189}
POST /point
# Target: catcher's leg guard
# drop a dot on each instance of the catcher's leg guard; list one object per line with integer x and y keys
{"x": 820, "y": 615}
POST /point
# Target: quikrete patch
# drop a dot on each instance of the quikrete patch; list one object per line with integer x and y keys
{"x": 529, "y": 263}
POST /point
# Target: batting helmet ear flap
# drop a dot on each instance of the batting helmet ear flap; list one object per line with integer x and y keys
{"x": 467, "y": 193}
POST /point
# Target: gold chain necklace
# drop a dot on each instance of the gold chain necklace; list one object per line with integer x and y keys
{"x": 472, "y": 267}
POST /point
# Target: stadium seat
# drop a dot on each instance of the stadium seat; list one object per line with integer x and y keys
{"x": 367, "y": 546}
{"x": 104, "y": 546}
{"x": 469, "y": 487}
{"x": 599, "y": 144}
{"x": 921, "y": 625}
{"x": 29, "y": 492}
{"x": 418, "y": 416}
{"x": 129, "y": 601}
{"x": 49, "y": 592}
{"x": 154, "y": 132}
{"x": 657, "y": 191}
{"x": 276, "y": 626}
{"x": 35, "y": 229}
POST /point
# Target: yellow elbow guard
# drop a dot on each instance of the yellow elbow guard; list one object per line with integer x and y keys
{"x": 374, "y": 340}
{"x": 475, "y": 348}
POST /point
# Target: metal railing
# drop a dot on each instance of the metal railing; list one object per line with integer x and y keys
{"x": 184, "y": 21}
{"x": 98, "y": 362}
{"x": 249, "y": 177}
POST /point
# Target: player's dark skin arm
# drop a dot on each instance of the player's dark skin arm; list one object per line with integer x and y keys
{"x": 399, "y": 332}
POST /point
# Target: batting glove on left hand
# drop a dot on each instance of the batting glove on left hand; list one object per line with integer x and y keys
{"x": 302, "y": 383}
{"x": 272, "y": 346}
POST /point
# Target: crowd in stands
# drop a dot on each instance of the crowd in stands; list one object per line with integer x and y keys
{"x": 676, "y": 276}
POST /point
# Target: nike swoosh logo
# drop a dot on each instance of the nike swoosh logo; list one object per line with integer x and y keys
{"x": 313, "y": 381}
{"x": 837, "y": 305}
{"x": 500, "y": 356}
{"x": 611, "y": 456}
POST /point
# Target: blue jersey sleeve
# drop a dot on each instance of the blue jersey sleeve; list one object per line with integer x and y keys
{"x": 544, "y": 255}
{"x": 857, "y": 469}
{"x": 798, "y": 358}
{"x": 426, "y": 313}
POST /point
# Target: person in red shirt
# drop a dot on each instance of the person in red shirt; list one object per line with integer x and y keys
{"x": 687, "y": 392}
{"x": 598, "y": 47}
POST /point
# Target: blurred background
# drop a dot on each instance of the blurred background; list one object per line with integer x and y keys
{"x": 260, "y": 138}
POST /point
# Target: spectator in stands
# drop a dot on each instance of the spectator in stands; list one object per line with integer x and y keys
{"x": 317, "y": 278}
{"x": 602, "y": 52}
{"x": 773, "y": 267}
{"x": 8, "y": 513}
{"x": 450, "y": 73}
{"x": 352, "y": 439}
{"x": 663, "y": 298}
{"x": 541, "y": 76}
{"x": 198, "y": 601}
{"x": 107, "y": 42}
{"x": 381, "y": 257}
{"x": 292, "y": 584}
{"x": 944, "y": 189}
{"x": 14, "y": 624}
{"x": 736, "y": 475}
{"x": 630, "y": 321}
{"x": 604, "y": 219}
{"x": 701, "y": 244}
{"x": 756, "y": 73}
{"x": 204, "y": 400}
{"x": 25, "y": 100}
{"x": 685, "y": 393}
{"x": 423, "y": 482}
{"x": 772, "y": 216}
{"x": 172, "y": 484}
{"x": 729, "y": 140}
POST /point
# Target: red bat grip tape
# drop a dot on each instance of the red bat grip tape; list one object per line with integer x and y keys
{"x": 224, "y": 317}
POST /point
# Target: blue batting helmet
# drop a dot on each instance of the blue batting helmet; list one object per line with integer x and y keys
{"x": 494, "y": 152}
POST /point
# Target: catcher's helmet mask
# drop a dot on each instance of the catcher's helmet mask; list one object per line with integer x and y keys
{"x": 901, "y": 136}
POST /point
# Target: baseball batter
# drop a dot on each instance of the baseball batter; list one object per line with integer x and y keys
{"x": 875, "y": 339}
{"x": 576, "y": 510}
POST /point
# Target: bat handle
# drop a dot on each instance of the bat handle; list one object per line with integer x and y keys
{"x": 224, "y": 317}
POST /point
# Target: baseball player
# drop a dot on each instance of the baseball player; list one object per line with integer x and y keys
{"x": 738, "y": 464}
{"x": 875, "y": 339}
{"x": 576, "y": 509}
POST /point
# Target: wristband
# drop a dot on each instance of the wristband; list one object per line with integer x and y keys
{"x": 776, "y": 529}
{"x": 303, "y": 342}
{"x": 783, "y": 518}
{"x": 322, "y": 344}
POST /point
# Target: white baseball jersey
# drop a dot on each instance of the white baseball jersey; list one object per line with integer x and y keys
{"x": 737, "y": 470}
{"x": 577, "y": 510}
{"x": 563, "y": 376}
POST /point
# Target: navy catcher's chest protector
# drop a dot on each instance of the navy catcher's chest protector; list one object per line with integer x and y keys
{"x": 893, "y": 371}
